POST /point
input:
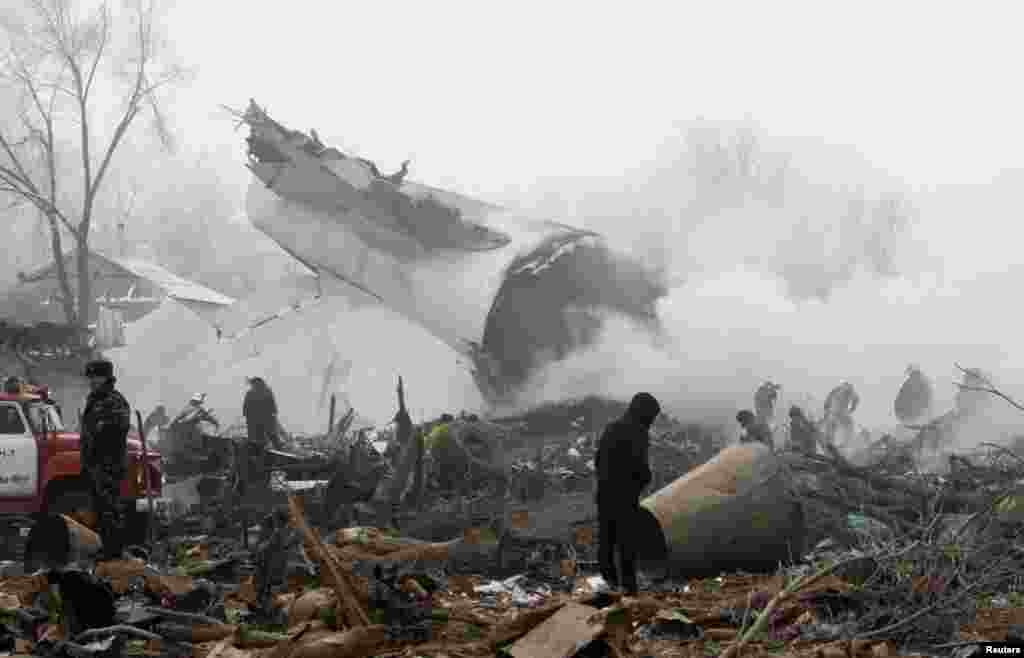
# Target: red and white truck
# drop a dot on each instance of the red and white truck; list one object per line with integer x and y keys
{"x": 40, "y": 466}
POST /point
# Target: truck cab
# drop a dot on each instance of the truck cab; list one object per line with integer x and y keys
{"x": 40, "y": 464}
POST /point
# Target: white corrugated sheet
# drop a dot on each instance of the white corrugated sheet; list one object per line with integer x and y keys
{"x": 171, "y": 283}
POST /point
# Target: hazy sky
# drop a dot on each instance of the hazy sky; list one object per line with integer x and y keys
{"x": 497, "y": 99}
{"x": 485, "y": 93}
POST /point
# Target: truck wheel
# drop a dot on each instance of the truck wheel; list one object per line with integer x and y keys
{"x": 68, "y": 498}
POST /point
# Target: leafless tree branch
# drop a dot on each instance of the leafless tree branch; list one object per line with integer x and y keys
{"x": 989, "y": 388}
{"x": 55, "y": 60}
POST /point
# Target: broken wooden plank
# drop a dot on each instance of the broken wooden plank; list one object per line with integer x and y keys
{"x": 563, "y": 634}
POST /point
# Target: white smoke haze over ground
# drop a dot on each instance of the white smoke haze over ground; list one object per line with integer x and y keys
{"x": 337, "y": 345}
{"x": 773, "y": 280}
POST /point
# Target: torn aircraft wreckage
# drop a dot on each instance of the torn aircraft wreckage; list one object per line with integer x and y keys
{"x": 508, "y": 292}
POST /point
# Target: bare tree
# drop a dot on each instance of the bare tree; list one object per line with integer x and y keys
{"x": 55, "y": 60}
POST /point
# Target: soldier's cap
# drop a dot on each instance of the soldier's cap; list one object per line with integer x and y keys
{"x": 99, "y": 368}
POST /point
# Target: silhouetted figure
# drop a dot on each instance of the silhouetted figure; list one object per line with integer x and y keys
{"x": 754, "y": 430}
{"x": 104, "y": 452}
{"x": 156, "y": 419}
{"x": 840, "y": 404}
{"x": 187, "y": 443}
{"x": 764, "y": 401}
{"x": 842, "y": 400}
{"x": 399, "y": 176}
{"x": 914, "y": 400}
{"x": 803, "y": 434}
{"x": 260, "y": 411}
{"x": 623, "y": 471}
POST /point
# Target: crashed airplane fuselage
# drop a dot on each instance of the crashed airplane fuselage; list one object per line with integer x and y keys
{"x": 509, "y": 292}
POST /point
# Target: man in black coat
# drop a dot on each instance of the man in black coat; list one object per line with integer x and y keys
{"x": 754, "y": 430}
{"x": 260, "y": 411}
{"x": 104, "y": 452}
{"x": 803, "y": 435}
{"x": 622, "y": 473}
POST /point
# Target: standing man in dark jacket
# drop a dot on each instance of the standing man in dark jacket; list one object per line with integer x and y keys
{"x": 622, "y": 473}
{"x": 260, "y": 411}
{"x": 754, "y": 430}
{"x": 104, "y": 437}
{"x": 803, "y": 434}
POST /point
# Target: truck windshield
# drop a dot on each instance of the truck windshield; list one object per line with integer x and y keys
{"x": 10, "y": 420}
{"x": 43, "y": 416}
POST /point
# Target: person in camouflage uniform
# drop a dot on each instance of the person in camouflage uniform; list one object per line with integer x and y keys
{"x": 104, "y": 434}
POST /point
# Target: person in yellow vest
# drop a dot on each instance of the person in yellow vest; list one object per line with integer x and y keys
{"x": 440, "y": 433}
{"x": 438, "y": 446}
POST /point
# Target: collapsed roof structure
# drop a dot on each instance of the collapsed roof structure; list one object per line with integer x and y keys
{"x": 131, "y": 285}
{"x": 509, "y": 292}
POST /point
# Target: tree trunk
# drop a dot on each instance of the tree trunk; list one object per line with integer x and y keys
{"x": 67, "y": 298}
{"x": 85, "y": 301}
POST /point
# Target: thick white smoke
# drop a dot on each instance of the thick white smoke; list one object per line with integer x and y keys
{"x": 782, "y": 273}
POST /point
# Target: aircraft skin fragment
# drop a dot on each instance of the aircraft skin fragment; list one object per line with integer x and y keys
{"x": 439, "y": 258}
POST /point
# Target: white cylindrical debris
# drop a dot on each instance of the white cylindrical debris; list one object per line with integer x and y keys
{"x": 732, "y": 513}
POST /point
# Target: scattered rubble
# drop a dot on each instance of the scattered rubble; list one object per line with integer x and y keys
{"x": 870, "y": 558}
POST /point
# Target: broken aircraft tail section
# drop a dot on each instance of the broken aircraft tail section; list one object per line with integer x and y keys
{"x": 507, "y": 291}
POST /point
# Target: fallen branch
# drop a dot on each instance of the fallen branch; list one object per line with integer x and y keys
{"x": 352, "y": 612}
{"x": 641, "y": 610}
{"x": 946, "y": 603}
{"x": 353, "y": 643}
{"x": 186, "y": 617}
{"x": 113, "y": 630}
{"x": 761, "y": 623}
{"x": 284, "y": 649}
{"x": 220, "y": 647}
{"x": 195, "y": 634}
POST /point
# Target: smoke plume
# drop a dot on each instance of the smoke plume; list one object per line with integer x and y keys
{"x": 782, "y": 272}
